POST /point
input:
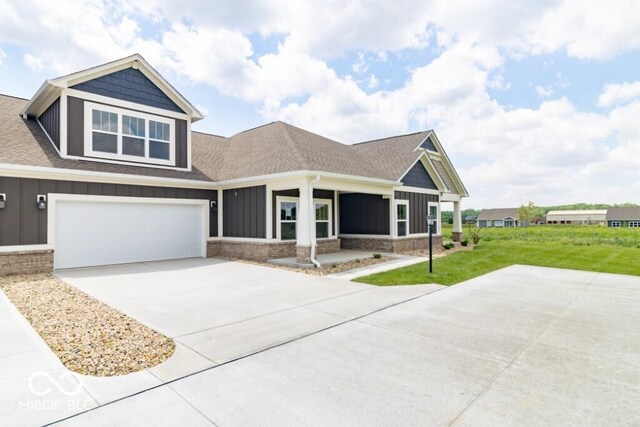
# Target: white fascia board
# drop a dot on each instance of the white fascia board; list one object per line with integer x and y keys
{"x": 94, "y": 176}
{"x": 449, "y": 166}
{"x": 418, "y": 190}
{"x": 305, "y": 174}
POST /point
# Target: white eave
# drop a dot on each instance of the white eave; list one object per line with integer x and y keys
{"x": 51, "y": 89}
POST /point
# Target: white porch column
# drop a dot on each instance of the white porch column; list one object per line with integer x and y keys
{"x": 392, "y": 216}
{"x": 304, "y": 225}
{"x": 457, "y": 222}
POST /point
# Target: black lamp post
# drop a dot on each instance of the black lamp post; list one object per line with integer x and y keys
{"x": 430, "y": 220}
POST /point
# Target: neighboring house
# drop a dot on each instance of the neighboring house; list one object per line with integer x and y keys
{"x": 503, "y": 217}
{"x": 623, "y": 217}
{"x": 582, "y": 217}
{"x": 102, "y": 167}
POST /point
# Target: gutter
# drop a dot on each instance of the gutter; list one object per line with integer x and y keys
{"x": 312, "y": 220}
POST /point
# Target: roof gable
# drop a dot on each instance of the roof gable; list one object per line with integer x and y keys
{"x": 130, "y": 85}
{"x": 427, "y": 144}
{"x": 418, "y": 176}
{"x": 52, "y": 89}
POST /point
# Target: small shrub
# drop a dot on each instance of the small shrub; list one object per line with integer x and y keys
{"x": 465, "y": 242}
{"x": 448, "y": 245}
{"x": 377, "y": 256}
{"x": 475, "y": 236}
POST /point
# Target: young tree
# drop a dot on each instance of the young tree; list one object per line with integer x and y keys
{"x": 526, "y": 214}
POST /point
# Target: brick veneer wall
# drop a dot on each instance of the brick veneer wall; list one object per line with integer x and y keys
{"x": 262, "y": 251}
{"x": 25, "y": 262}
{"x": 400, "y": 244}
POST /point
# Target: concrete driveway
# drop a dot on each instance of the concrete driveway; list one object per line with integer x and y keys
{"x": 520, "y": 346}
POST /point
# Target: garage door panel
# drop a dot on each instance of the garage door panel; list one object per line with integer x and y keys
{"x": 102, "y": 233}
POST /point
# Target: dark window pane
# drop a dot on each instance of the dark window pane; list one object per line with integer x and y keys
{"x": 95, "y": 119}
{"x": 132, "y": 126}
{"x": 288, "y": 211}
{"x": 105, "y": 143}
{"x": 158, "y": 150}
{"x": 159, "y": 130}
{"x": 132, "y": 146}
{"x": 288, "y": 230}
{"x": 322, "y": 212}
{"x": 322, "y": 229}
{"x": 402, "y": 211}
{"x": 402, "y": 228}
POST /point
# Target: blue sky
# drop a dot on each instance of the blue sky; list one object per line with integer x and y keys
{"x": 532, "y": 100}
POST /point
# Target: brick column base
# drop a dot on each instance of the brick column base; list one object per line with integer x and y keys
{"x": 303, "y": 254}
{"x": 457, "y": 236}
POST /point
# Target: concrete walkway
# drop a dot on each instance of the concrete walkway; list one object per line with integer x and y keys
{"x": 523, "y": 346}
{"x": 216, "y": 311}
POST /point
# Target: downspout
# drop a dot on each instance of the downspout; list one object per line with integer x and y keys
{"x": 312, "y": 220}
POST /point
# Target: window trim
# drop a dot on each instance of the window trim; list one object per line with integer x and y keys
{"x": 616, "y": 224}
{"x": 329, "y": 222}
{"x": 89, "y": 107}
{"x": 396, "y": 220}
{"x": 296, "y": 200}
{"x": 636, "y": 224}
{"x": 279, "y": 201}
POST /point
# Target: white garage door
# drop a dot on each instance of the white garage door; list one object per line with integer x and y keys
{"x": 89, "y": 233}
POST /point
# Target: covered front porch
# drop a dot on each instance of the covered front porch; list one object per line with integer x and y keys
{"x": 327, "y": 217}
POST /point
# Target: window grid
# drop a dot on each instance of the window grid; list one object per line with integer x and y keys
{"x": 118, "y": 135}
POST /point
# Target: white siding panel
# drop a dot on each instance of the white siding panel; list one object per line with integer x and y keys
{"x": 102, "y": 233}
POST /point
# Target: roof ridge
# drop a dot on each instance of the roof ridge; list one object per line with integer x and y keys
{"x": 210, "y": 134}
{"x": 391, "y": 137}
{"x": 293, "y": 144}
{"x": 14, "y": 96}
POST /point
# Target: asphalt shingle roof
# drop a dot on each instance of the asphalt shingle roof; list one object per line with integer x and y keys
{"x": 622, "y": 214}
{"x": 392, "y": 156}
{"x": 273, "y": 148}
{"x": 497, "y": 214}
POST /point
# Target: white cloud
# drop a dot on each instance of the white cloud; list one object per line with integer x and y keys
{"x": 3, "y": 55}
{"x": 373, "y": 82}
{"x": 544, "y": 92}
{"x": 503, "y": 154}
{"x": 586, "y": 29}
{"x": 617, "y": 93}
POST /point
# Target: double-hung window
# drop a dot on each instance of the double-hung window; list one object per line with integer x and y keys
{"x": 615, "y": 224}
{"x": 118, "y": 134}
{"x": 288, "y": 218}
{"x": 323, "y": 219}
{"x": 402, "y": 217}
{"x": 634, "y": 224}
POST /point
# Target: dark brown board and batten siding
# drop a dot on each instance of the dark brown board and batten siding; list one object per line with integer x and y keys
{"x": 22, "y": 223}
{"x": 418, "y": 208}
{"x": 245, "y": 212}
{"x": 75, "y": 126}
{"x": 50, "y": 121}
{"x": 364, "y": 214}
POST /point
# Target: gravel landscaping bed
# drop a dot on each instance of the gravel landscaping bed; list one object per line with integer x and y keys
{"x": 88, "y": 336}
{"x": 329, "y": 269}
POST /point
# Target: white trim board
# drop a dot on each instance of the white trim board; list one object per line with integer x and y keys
{"x": 39, "y": 172}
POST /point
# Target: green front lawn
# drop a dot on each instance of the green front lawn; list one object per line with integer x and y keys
{"x": 496, "y": 254}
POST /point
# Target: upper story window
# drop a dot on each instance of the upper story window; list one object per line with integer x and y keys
{"x": 118, "y": 134}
